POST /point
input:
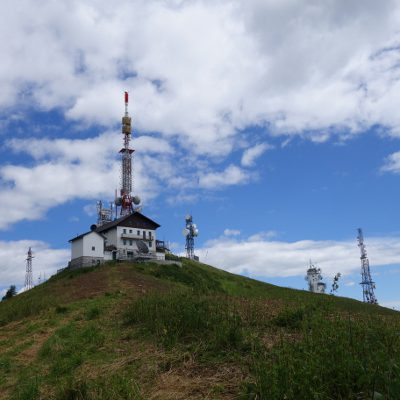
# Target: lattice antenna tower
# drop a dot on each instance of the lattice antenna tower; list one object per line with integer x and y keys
{"x": 366, "y": 281}
{"x": 126, "y": 200}
{"x": 28, "y": 274}
{"x": 190, "y": 232}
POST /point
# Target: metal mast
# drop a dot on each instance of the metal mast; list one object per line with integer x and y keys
{"x": 366, "y": 281}
{"x": 126, "y": 201}
{"x": 28, "y": 274}
{"x": 190, "y": 231}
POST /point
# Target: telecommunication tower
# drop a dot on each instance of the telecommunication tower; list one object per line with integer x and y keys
{"x": 126, "y": 200}
{"x": 366, "y": 281}
{"x": 314, "y": 279}
{"x": 104, "y": 215}
{"x": 190, "y": 232}
{"x": 28, "y": 274}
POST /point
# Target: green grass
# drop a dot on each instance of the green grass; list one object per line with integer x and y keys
{"x": 333, "y": 359}
{"x": 145, "y": 324}
{"x": 187, "y": 317}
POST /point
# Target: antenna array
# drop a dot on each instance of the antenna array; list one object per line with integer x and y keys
{"x": 190, "y": 232}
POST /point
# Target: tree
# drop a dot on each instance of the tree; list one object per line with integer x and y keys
{"x": 335, "y": 284}
{"x": 11, "y": 292}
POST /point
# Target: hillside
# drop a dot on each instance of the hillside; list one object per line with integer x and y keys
{"x": 147, "y": 331}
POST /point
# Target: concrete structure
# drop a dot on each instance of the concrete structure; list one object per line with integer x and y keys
{"x": 131, "y": 237}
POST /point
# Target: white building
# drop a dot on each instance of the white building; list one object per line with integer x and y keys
{"x": 131, "y": 237}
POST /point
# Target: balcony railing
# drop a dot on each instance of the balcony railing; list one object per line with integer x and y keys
{"x": 136, "y": 236}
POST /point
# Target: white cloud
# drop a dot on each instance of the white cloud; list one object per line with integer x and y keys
{"x": 232, "y": 175}
{"x": 392, "y": 163}
{"x": 266, "y": 258}
{"x": 231, "y": 232}
{"x": 65, "y": 169}
{"x": 13, "y": 261}
{"x": 199, "y": 73}
{"x": 251, "y": 154}
{"x": 260, "y": 236}
{"x": 202, "y": 71}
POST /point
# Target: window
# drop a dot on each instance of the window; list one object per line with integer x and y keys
{"x": 150, "y": 244}
{"x": 138, "y": 232}
{"x": 144, "y": 234}
{"x": 150, "y": 235}
{"x": 124, "y": 230}
{"x": 130, "y": 230}
{"x": 93, "y": 248}
{"x": 124, "y": 242}
{"x": 130, "y": 243}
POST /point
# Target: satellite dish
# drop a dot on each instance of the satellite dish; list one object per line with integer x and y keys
{"x": 196, "y": 232}
{"x": 185, "y": 232}
{"x": 93, "y": 227}
{"x": 142, "y": 247}
{"x": 188, "y": 217}
{"x": 136, "y": 200}
{"x": 194, "y": 226}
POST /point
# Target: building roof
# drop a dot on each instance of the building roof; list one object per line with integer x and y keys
{"x": 135, "y": 220}
{"x": 84, "y": 234}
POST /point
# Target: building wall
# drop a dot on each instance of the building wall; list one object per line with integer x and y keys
{"x": 111, "y": 236}
{"x": 77, "y": 248}
{"x": 132, "y": 235}
{"x": 81, "y": 262}
{"x": 93, "y": 245}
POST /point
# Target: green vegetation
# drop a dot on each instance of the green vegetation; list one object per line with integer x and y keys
{"x": 124, "y": 331}
{"x": 11, "y": 292}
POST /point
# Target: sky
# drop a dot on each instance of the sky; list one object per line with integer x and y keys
{"x": 274, "y": 123}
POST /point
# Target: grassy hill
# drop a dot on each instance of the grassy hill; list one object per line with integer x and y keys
{"x": 147, "y": 331}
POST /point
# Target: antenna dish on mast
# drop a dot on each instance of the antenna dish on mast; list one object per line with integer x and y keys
{"x": 142, "y": 247}
{"x": 136, "y": 200}
{"x": 185, "y": 232}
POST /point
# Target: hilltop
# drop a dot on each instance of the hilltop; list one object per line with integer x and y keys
{"x": 191, "y": 331}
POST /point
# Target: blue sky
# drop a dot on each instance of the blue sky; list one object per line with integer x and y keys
{"x": 274, "y": 123}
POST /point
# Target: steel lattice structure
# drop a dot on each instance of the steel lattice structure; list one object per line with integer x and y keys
{"x": 126, "y": 165}
{"x": 366, "y": 281}
{"x": 190, "y": 231}
{"x": 28, "y": 274}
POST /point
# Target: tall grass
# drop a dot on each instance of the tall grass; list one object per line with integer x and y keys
{"x": 333, "y": 359}
{"x": 111, "y": 387}
{"x": 187, "y": 317}
{"x": 24, "y": 305}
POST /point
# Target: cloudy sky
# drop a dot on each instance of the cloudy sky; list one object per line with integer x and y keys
{"x": 275, "y": 123}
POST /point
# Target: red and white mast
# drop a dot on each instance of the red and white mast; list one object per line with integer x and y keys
{"x": 125, "y": 201}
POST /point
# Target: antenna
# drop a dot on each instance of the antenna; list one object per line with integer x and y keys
{"x": 126, "y": 201}
{"x": 28, "y": 274}
{"x": 104, "y": 215}
{"x": 366, "y": 281}
{"x": 314, "y": 279}
{"x": 190, "y": 232}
